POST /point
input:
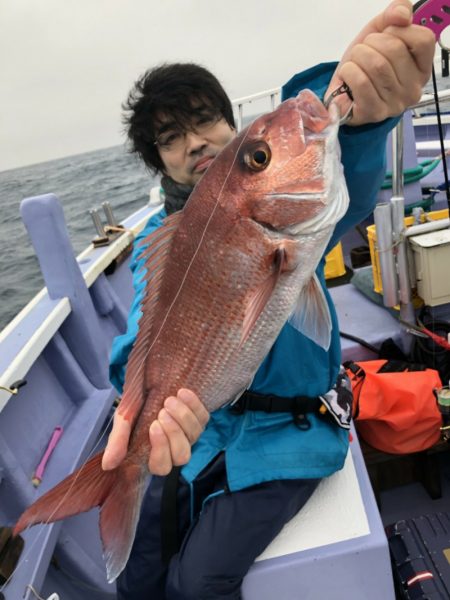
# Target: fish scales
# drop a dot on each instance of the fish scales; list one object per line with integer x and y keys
{"x": 222, "y": 278}
{"x": 208, "y": 299}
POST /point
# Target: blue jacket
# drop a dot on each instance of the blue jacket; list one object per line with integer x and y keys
{"x": 259, "y": 446}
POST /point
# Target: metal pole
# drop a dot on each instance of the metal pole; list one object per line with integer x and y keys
{"x": 110, "y": 218}
{"x": 383, "y": 224}
{"x": 240, "y": 108}
{"x": 397, "y": 160}
{"x": 398, "y": 226}
{"x": 97, "y": 222}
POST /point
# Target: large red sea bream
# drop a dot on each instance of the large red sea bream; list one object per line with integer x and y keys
{"x": 222, "y": 278}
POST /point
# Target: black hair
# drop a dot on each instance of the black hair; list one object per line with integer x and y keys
{"x": 169, "y": 89}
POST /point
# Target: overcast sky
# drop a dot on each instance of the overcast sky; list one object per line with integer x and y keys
{"x": 66, "y": 65}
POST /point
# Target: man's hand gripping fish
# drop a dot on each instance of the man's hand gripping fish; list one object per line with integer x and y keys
{"x": 223, "y": 277}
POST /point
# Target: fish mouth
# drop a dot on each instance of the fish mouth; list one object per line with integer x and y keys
{"x": 297, "y": 196}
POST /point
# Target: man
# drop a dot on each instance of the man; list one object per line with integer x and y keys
{"x": 250, "y": 472}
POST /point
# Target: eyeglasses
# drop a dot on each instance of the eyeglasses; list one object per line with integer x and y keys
{"x": 175, "y": 137}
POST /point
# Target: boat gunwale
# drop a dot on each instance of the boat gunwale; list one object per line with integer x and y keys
{"x": 20, "y": 346}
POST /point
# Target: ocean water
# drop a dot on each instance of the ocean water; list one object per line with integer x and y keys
{"x": 80, "y": 182}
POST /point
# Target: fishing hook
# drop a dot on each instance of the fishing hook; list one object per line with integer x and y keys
{"x": 342, "y": 89}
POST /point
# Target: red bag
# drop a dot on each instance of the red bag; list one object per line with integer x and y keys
{"x": 395, "y": 412}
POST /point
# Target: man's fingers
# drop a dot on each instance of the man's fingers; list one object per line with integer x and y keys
{"x": 390, "y": 60}
{"x": 117, "y": 446}
{"x": 160, "y": 459}
{"x": 398, "y": 13}
{"x": 179, "y": 444}
{"x": 386, "y": 72}
{"x": 375, "y": 82}
{"x": 367, "y": 106}
{"x": 379, "y": 70}
{"x": 184, "y": 417}
{"x": 193, "y": 402}
{"x": 420, "y": 43}
{"x": 179, "y": 425}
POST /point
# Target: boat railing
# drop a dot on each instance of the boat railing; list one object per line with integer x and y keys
{"x": 24, "y": 338}
{"x": 429, "y": 100}
{"x": 270, "y": 99}
{"x": 266, "y": 100}
{"x": 398, "y": 134}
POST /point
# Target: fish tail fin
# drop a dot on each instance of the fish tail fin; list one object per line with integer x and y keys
{"x": 119, "y": 515}
{"x": 82, "y": 490}
{"x": 118, "y": 493}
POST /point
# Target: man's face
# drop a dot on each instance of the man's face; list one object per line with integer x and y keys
{"x": 188, "y": 152}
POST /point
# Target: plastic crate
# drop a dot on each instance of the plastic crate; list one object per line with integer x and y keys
{"x": 372, "y": 237}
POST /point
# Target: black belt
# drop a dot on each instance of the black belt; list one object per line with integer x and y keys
{"x": 299, "y": 406}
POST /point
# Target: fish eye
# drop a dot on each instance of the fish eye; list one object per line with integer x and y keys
{"x": 257, "y": 156}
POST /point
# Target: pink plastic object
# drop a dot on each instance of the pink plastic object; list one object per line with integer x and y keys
{"x": 39, "y": 473}
{"x": 434, "y": 14}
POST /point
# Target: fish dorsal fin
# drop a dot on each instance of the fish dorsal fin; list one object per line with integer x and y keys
{"x": 156, "y": 250}
{"x": 262, "y": 294}
{"x": 311, "y": 315}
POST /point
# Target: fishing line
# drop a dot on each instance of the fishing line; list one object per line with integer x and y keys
{"x": 441, "y": 137}
{"x": 443, "y": 155}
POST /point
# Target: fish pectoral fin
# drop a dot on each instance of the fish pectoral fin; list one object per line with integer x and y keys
{"x": 311, "y": 315}
{"x": 262, "y": 293}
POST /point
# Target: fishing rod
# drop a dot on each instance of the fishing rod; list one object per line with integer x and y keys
{"x": 435, "y": 14}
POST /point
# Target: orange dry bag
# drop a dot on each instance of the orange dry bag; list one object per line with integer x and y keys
{"x": 395, "y": 411}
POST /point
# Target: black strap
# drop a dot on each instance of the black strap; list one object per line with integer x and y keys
{"x": 354, "y": 368}
{"x": 270, "y": 403}
{"x": 170, "y": 543}
{"x": 358, "y": 376}
{"x": 400, "y": 366}
{"x": 299, "y": 406}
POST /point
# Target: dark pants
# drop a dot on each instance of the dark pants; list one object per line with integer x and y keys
{"x": 218, "y": 546}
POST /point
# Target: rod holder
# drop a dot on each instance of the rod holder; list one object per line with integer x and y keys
{"x": 398, "y": 228}
{"x": 397, "y": 160}
{"x": 110, "y": 219}
{"x": 97, "y": 222}
{"x": 383, "y": 224}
